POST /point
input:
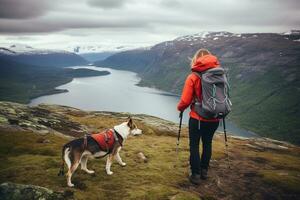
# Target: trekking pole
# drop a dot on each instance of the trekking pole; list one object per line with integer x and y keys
{"x": 178, "y": 136}
{"x": 226, "y": 144}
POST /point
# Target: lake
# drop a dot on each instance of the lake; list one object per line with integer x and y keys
{"x": 118, "y": 92}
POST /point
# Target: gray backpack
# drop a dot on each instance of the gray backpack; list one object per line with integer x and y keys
{"x": 215, "y": 94}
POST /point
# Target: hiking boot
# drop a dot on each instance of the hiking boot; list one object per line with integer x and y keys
{"x": 204, "y": 174}
{"x": 195, "y": 179}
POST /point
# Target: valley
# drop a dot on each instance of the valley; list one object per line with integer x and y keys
{"x": 28, "y": 74}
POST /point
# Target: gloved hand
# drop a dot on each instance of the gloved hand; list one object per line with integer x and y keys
{"x": 181, "y": 114}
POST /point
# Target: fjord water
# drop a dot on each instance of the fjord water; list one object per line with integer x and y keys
{"x": 118, "y": 92}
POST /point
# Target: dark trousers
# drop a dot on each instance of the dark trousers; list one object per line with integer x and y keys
{"x": 204, "y": 131}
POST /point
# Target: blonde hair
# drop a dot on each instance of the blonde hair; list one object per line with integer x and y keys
{"x": 198, "y": 54}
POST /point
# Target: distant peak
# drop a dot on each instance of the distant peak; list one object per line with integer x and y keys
{"x": 292, "y": 32}
{"x": 101, "y": 48}
{"x": 9, "y": 48}
{"x": 206, "y": 34}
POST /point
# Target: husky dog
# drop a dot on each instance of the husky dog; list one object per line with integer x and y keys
{"x": 98, "y": 145}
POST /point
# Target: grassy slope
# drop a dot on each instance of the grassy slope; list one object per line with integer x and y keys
{"x": 253, "y": 174}
{"x": 266, "y": 104}
{"x": 26, "y": 161}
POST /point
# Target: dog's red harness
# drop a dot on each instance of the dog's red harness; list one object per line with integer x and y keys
{"x": 105, "y": 139}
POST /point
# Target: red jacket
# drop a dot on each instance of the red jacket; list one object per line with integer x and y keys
{"x": 192, "y": 87}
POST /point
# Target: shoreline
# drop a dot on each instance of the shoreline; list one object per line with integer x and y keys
{"x": 59, "y": 91}
{"x": 73, "y": 74}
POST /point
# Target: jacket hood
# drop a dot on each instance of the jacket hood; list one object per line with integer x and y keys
{"x": 205, "y": 62}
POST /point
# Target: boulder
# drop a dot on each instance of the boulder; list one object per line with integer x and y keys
{"x": 142, "y": 157}
{"x": 41, "y": 119}
{"x": 13, "y": 191}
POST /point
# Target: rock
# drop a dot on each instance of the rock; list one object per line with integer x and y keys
{"x": 254, "y": 147}
{"x": 46, "y": 141}
{"x": 26, "y": 123}
{"x": 281, "y": 143}
{"x": 11, "y": 111}
{"x": 3, "y": 120}
{"x": 42, "y": 132}
{"x": 269, "y": 145}
{"x": 13, "y": 191}
{"x": 283, "y": 173}
{"x": 42, "y": 140}
{"x": 142, "y": 157}
{"x": 239, "y": 137}
{"x": 41, "y": 119}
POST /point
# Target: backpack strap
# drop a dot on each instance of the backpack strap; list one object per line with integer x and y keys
{"x": 199, "y": 75}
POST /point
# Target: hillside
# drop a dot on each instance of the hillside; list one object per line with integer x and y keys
{"x": 92, "y": 57}
{"x": 30, "y": 56}
{"x": 30, "y": 153}
{"x": 263, "y": 70}
{"x": 22, "y": 82}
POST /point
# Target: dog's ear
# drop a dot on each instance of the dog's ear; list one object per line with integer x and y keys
{"x": 129, "y": 122}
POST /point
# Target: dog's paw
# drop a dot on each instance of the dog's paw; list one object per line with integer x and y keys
{"x": 70, "y": 184}
{"x": 109, "y": 173}
{"x": 123, "y": 164}
{"x": 91, "y": 171}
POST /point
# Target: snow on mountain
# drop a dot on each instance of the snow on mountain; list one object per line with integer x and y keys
{"x": 202, "y": 36}
{"x": 21, "y": 49}
{"x": 99, "y": 48}
{"x": 223, "y": 35}
{"x": 8, "y": 48}
{"x": 292, "y": 32}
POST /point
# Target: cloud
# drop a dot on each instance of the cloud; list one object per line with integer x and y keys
{"x": 107, "y": 4}
{"x": 170, "y": 3}
{"x": 39, "y": 16}
{"x": 52, "y": 25}
{"x": 23, "y": 9}
{"x": 143, "y": 20}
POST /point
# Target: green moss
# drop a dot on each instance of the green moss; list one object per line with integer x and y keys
{"x": 289, "y": 181}
{"x": 278, "y": 160}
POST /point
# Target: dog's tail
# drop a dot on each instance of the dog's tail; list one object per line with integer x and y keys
{"x": 62, "y": 167}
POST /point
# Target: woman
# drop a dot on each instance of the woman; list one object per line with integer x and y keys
{"x": 199, "y": 127}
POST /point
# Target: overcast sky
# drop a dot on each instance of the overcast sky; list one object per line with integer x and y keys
{"x": 59, "y": 23}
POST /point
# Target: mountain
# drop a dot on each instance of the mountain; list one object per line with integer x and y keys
{"x": 98, "y": 52}
{"x": 263, "y": 70}
{"x": 40, "y": 57}
{"x": 31, "y": 139}
{"x": 100, "y": 48}
{"x": 92, "y": 57}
